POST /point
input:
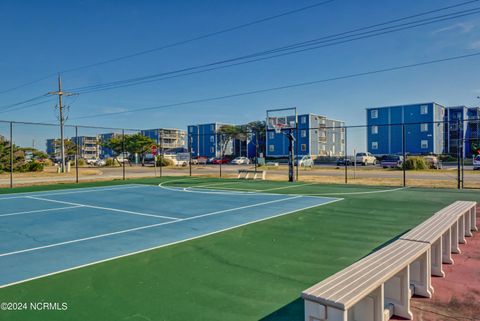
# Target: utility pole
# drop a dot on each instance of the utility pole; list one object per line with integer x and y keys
{"x": 61, "y": 118}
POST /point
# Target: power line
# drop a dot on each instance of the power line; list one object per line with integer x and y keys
{"x": 26, "y": 106}
{"x": 290, "y": 49}
{"x": 174, "y": 44}
{"x": 22, "y": 102}
{"x": 302, "y": 84}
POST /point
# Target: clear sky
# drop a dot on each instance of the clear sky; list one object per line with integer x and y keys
{"x": 43, "y": 37}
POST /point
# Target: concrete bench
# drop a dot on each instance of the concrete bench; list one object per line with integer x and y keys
{"x": 444, "y": 231}
{"x": 381, "y": 284}
{"x": 245, "y": 174}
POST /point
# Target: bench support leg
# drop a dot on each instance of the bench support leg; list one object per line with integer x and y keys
{"x": 468, "y": 223}
{"x": 315, "y": 311}
{"x": 454, "y": 233}
{"x": 447, "y": 247}
{"x": 473, "y": 217}
{"x": 369, "y": 308}
{"x": 436, "y": 250}
{"x": 420, "y": 275}
{"x": 461, "y": 230}
{"x": 397, "y": 292}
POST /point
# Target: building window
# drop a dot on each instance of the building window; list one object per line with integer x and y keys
{"x": 212, "y": 149}
{"x": 303, "y": 119}
{"x": 212, "y": 139}
{"x": 374, "y": 113}
{"x": 424, "y": 127}
{"x": 424, "y": 109}
{"x": 271, "y": 148}
{"x": 424, "y": 143}
{"x": 304, "y": 133}
{"x": 190, "y": 129}
{"x": 212, "y": 128}
{"x": 374, "y": 145}
{"x": 374, "y": 130}
{"x": 271, "y": 135}
{"x": 304, "y": 147}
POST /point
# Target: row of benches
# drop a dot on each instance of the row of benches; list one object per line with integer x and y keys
{"x": 381, "y": 284}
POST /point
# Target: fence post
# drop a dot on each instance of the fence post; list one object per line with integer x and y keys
{"x": 76, "y": 155}
{"x": 458, "y": 155}
{"x": 345, "y": 155}
{"x": 190, "y": 142}
{"x": 123, "y": 153}
{"x": 296, "y": 151}
{"x": 11, "y": 154}
{"x": 404, "y": 155}
{"x": 160, "y": 147}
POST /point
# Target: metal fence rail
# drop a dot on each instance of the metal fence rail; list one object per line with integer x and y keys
{"x": 334, "y": 163}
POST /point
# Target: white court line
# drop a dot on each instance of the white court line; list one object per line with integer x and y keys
{"x": 101, "y": 208}
{"x": 69, "y": 191}
{"x": 168, "y": 244}
{"x": 146, "y": 226}
{"x": 41, "y": 211}
{"x": 284, "y": 187}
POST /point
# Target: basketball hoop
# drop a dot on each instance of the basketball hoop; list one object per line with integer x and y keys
{"x": 278, "y": 128}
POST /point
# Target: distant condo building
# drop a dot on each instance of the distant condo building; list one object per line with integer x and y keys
{"x": 430, "y": 128}
{"x": 167, "y": 138}
{"x": 316, "y": 136}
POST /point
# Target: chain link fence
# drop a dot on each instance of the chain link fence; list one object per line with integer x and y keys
{"x": 388, "y": 155}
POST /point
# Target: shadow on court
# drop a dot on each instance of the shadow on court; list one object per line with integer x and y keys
{"x": 293, "y": 311}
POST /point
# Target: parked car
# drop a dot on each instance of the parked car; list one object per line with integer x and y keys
{"x": 91, "y": 161}
{"x": 100, "y": 162}
{"x": 210, "y": 160}
{"x": 219, "y": 160}
{"x": 304, "y": 161}
{"x": 365, "y": 159}
{"x": 344, "y": 161}
{"x": 433, "y": 162}
{"x": 201, "y": 160}
{"x": 194, "y": 160}
{"x": 476, "y": 162}
{"x": 240, "y": 160}
{"x": 392, "y": 161}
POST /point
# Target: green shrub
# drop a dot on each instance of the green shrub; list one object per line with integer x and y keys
{"x": 81, "y": 162}
{"x": 34, "y": 167}
{"x": 415, "y": 163}
{"x": 110, "y": 162}
{"x": 162, "y": 161}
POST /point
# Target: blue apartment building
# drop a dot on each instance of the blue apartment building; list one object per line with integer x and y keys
{"x": 422, "y": 134}
{"x": 430, "y": 129}
{"x": 204, "y": 141}
{"x": 315, "y": 136}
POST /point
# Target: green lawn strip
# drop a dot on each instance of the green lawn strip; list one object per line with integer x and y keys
{"x": 247, "y": 273}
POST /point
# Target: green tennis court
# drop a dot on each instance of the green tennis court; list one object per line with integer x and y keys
{"x": 251, "y": 272}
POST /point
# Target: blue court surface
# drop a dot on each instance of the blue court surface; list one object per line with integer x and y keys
{"x": 48, "y": 232}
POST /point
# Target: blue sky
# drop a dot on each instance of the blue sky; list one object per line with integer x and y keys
{"x": 40, "y": 38}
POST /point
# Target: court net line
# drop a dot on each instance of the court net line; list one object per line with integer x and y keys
{"x": 158, "y": 224}
{"x": 41, "y": 211}
{"x": 70, "y": 191}
{"x": 102, "y": 208}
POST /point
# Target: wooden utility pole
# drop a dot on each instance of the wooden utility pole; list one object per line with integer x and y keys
{"x": 60, "y": 93}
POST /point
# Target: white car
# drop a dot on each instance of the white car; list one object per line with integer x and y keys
{"x": 365, "y": 159}
{"x": 476, "y": 162}
{"x": 91, "y": 161}
{"x": 240, "y": 160}
{"x": 304, "y": 161}
{"x": 100, "y": 162}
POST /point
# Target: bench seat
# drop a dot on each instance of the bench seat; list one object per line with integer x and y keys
{"x": 245, "y": 174}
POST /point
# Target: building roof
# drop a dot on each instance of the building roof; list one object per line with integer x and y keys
{"x": 405, "y": 105}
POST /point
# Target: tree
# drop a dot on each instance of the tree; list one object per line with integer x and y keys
{"x": 257, "y": 128}
{"x": 70, "y": 148}
{"x": 226, "y": 134}
{"x": 115, "y": 144}
{"x": 138, "y": 144}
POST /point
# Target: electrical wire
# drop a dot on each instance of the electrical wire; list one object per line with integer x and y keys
{"x": 302, "y": 84}
{"x": 174, "y": 44}
{"x": 299, "y": 47}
